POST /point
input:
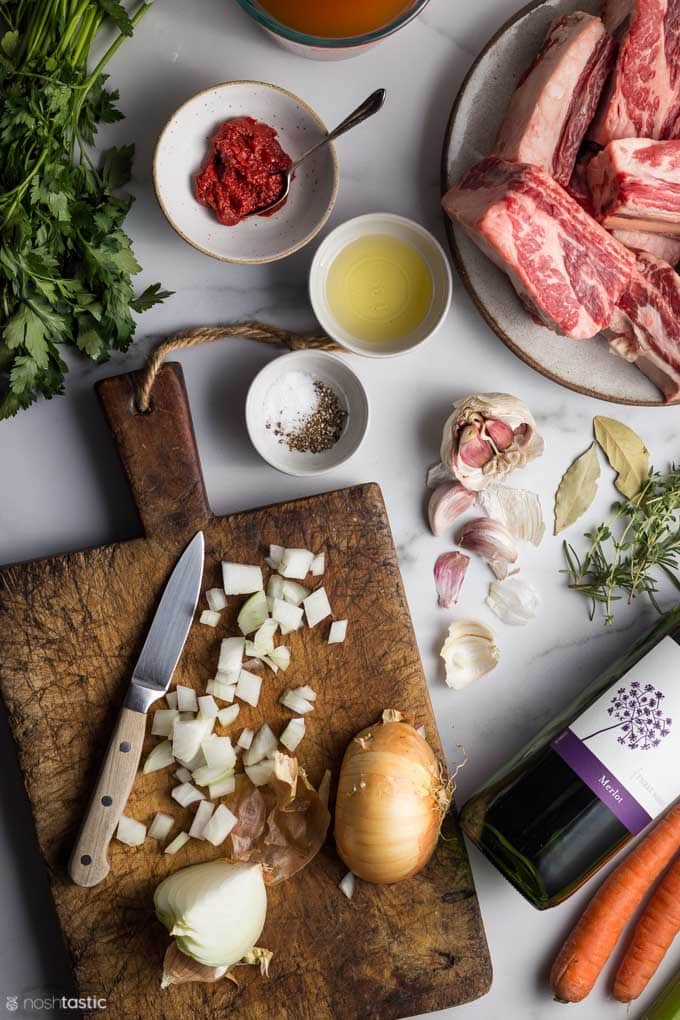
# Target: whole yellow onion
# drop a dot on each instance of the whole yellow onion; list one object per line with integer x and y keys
{"x": 391, "y": 802}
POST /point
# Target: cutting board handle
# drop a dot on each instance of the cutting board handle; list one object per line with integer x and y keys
{"x": 159, "y": 453}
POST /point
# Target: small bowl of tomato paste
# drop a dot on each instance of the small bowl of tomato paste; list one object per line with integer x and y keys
{"x": 221, "y": 157}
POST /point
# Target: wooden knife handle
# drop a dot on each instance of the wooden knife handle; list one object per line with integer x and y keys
{"x": 89, "y": 863}
{"x": 159, "y": 453}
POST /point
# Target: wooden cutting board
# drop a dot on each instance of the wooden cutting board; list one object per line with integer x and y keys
{"x": 72, "y": 627}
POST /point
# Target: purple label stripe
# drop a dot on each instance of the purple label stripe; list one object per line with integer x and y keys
{"x": 601, "y": 781}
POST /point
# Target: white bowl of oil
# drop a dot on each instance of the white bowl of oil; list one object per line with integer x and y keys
{"x": 380, "y": 285}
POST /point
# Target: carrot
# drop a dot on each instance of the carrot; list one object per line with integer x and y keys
{"x": 590, "y": 944}
{"x": 653, "y": 934}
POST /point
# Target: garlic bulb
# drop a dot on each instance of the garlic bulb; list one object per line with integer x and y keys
{"x": 449, "y": 574}
{"x": 487, "y": 436}
{"x": 518, "y": 509}
{"x": 514, "y": 601}
{"x": 492, "y": 540}
{"x": 448, "y": 502}
{"x": 469, "y": 653}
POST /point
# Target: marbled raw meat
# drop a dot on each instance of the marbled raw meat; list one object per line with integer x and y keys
{"x": 567, "y": 269}
{"x": 556, "y": 100}
{"x": 665, "y": 248}
{"x": 634, "y": 184}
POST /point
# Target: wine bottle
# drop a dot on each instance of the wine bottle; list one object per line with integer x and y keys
{"x": 592, "y": 779}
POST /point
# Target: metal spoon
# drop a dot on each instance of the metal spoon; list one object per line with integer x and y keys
{"x": 362, "y": 113}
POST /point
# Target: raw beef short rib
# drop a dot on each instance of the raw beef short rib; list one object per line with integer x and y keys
{"x": 645, "y": 329}
{"x": 555, "y": 102}
{"x": 643, "y": 97}
{"x": 635, "y": 185}
{"x": 665, "y": 248}
{"x": 567, "y": 269}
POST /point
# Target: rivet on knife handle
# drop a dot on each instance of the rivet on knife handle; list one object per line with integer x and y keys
{"x": 89, "y": 863}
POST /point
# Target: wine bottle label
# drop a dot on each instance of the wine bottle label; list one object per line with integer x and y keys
{"x": 626, "y": 746}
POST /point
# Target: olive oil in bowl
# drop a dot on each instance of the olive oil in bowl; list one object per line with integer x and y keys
{"x": 380, "y": 284}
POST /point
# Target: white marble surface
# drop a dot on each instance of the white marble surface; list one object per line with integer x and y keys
{"x": 62, "y": 487}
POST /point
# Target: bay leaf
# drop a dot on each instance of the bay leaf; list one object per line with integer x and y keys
{"x": 577, "y": 489}
{"x": 626, "y": 453}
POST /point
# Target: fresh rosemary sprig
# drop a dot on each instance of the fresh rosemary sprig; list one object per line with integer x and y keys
{"x": 642, "y": 535}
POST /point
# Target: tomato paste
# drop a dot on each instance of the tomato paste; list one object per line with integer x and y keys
{"x": 242, "y": 171}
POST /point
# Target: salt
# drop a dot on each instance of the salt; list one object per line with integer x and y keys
{"x": 290, "y": 401}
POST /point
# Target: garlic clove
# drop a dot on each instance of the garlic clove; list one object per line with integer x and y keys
{"x": 492, "y": 540}
{"x": 518, "y": 509}
{"x": 469, "y": 652}
{"x": 449, "y": 574}
{"x": 447, "y": 503}
{"x": 515, "y": 601}
{"x": 500, "y": 434}
{"x": 474, "y": 451}
{"x": 179, "y": 969}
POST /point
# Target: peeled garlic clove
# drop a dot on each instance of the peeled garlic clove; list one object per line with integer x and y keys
{"x": 449, "y": 574}
{"x": 469, "y": 653}
{"x": 518, "y": 509}
{"x": 447, "y": 503}
{"x": 515, "y": 601}
{"x": 492, "y": 540}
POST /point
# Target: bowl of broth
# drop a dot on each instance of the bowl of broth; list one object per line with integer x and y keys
{"x": 331, "y": 29}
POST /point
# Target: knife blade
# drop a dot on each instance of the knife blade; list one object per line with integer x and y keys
{"x": 89, "y": 863}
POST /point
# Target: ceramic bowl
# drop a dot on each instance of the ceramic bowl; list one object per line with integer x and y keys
{"x": 320, "y": 48}
{"x": 181, "y": 151}
{"x": 406, "y": 230}
{"x": 351, "y": 394}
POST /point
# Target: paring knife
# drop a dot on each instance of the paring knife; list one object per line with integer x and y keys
{"x": 89, "y": 863}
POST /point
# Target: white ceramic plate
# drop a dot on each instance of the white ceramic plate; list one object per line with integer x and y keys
{"x": 395, "y": 226}
{"x": 328, "y": 369}
{"x": 585, "y": 366}
{"x": 181, "y": 150}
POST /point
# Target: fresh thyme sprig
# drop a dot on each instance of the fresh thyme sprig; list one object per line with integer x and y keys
{"x": 642, "y": 535}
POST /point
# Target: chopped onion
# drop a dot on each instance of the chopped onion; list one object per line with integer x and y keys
{"x": 216, "y": 599}
{"x": 270, "y": 662}
{"x": 226, "y": 716}
{"x": 159, "y": 758}
{"x": 305, "y": 692}
{"x": 295, "y": 703}
{"x": 248, "y": 687}
{"x": 338, "y": 632}
{"x": 293, "y": 592}
{"x": 171, "y": 699}
{"x": 261, "y": 773}
{"x": 161, "y": 826}
{"x": 275, "y": 587}
{"x": 205, "y": 775}
{"x": 218, "y": 752}
{"x": 187, "y": 738}
{"x": 246, "y": 738}
{"x": 207, "y": 706}
{"x": 318, "y": 565}
{"x": 163, "y": 722}
{"x": 186, "y": 793}
{"x": 222, "y": 787}
{"x": 186, "y": 699}
{"x": 183, "y": 775}
{"x": 296, "y": 563}
{"x": 130, "y": 832}
{"x": 348, "y": 885}
{"x": 280, "y": 657}
{"x": 185, "y": 717}
{"x": 231, "y": 655}
{"x": 253, "y": 613}
{"x": 209, "y": 618}
{"x": 289, "y": 617}
{"x": 240, "y": 579}
{"x": 256, "y": 661}
{"x": 201, "y": 818}
{"x": 275, "y": 555}
{"x": 264, "y": 637}
{"x": 293, "y": 734}
{"x": 224, "y": 692}
{"x": 220, "y": 825}
{"x": 263, "y": 746}
{"x": 317, "y": 607}
{"x": 180, "y": 840}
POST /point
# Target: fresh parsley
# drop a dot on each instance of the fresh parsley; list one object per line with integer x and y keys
{"x": 66, "y": 263}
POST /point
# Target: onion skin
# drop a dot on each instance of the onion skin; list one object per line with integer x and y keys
{"x": 390, "y": 803}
